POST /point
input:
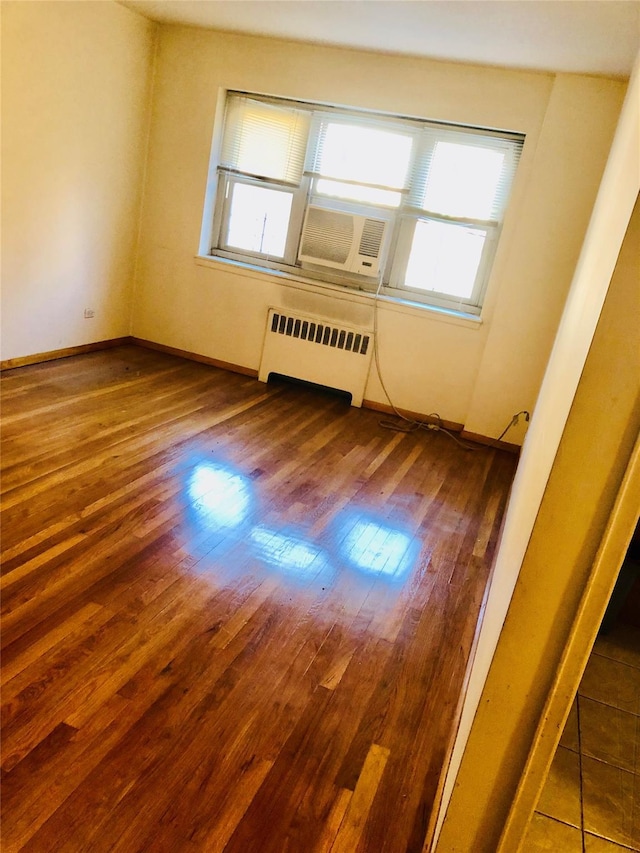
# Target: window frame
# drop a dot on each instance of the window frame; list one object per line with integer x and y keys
{"x": 226, "y": 182}
{"x": 403, "y": 218}
{"x": 394, "y": 284}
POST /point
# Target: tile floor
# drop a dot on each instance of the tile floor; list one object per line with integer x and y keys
{"x": 591, "y": 799}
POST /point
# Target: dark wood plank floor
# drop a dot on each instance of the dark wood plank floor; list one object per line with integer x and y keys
{"x": 235, "y": 616}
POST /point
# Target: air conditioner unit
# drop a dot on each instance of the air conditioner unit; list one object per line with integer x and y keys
{"x": 346, "y": 241}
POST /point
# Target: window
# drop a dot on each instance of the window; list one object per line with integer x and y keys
{"x": 412, "y": 208}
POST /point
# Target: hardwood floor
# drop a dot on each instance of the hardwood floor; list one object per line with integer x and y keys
{"x": 235, "y": 616}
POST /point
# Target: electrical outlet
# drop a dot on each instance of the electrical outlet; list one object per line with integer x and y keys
{"x": 89, "y": 313}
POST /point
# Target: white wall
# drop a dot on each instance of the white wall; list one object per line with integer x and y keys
{"x": 76, "y": 80}
{"x": 475, "y": 374}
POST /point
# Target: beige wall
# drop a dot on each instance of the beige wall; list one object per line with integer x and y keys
{"x": 76, "y": 81}
{"x": 524, "y": 328}
{"x": 475, "y": 374}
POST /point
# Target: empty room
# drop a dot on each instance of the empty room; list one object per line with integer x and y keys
{"x": 320, "y": 411}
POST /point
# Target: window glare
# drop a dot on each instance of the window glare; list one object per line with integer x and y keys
{"x": 259, "y": 219}
{"x": 444, "y": 258}
{"x": 353, "y": 192}
{"x": 365, "y": 154}
{"x": 463, "y": 180}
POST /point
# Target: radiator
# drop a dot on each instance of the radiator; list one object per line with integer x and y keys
{"x": 317, "y": 350}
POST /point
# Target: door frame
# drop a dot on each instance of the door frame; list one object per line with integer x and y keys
{"x": 609, "y": 558}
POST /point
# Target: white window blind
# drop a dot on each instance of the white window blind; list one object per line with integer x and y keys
{"x": 264, "y": 139}
{"x": 464, "y": 175}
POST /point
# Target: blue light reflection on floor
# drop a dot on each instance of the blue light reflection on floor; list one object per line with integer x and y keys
{"x": 374, "y": 546}
{"x": 291, "y": 553}
{"x": 221, "y": 498}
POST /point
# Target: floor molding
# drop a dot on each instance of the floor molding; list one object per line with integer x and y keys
{"x": 413, "y": 416}
{"x": 66, "y": 352}
{"x": 492, "y": 442}
{"x": 193, "y": 356}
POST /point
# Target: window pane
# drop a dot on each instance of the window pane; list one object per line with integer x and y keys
{"x": 369, "y": 155}
{"x": 259, "y": 219}
{"x": 463, "y": 180}
{"x": 444, "y": 258}
{"x": 354, "y": 192}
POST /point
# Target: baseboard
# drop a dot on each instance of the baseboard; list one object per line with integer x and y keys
{"x": 414, "y": 416}
{"x": 193, "y": 356}
{"x": 450, "y": 425}
{"x": 52, "y": 355}
{"x": 491, "y": 442}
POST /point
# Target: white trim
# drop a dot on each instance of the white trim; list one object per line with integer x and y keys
{"x": 606, "y": 567}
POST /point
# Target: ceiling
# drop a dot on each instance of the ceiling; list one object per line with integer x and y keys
{"x": 583, "y": 36}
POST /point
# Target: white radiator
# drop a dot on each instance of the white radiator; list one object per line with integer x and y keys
{"x": 317, "y": 350}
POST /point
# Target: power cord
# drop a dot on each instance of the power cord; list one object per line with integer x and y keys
{"x": 406, "y": 424}
{"x": 514, "y": 420}
{"x": 411, "y": 424}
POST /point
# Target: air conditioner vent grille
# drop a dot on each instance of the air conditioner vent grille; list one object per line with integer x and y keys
{"x": 320, "y": 333}
{"x": 371, "y": 239}
{"x": 328, "y": 235}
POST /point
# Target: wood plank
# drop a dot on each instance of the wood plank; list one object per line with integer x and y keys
{"x": 350, "y": 832}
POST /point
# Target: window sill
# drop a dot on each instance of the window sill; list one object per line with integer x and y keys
{"x": 353, "y": 294}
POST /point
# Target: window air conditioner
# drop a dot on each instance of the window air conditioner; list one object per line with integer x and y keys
{"x": 345, "y": 241}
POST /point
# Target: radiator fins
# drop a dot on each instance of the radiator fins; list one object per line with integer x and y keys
{"x": 319, "y": 333}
